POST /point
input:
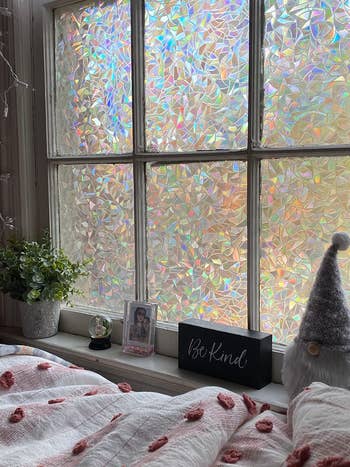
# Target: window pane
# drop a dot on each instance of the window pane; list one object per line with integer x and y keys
{"x": 96, "y": 221}
{"x": 93, "y": 78}
{"x": 303, "y": 203}
{"x": 197, "y": 258}
{"x": 307, "y": 85}
{"x": 196, "y": 69}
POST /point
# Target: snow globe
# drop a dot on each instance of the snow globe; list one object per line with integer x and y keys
{"x": 100, "y": 329}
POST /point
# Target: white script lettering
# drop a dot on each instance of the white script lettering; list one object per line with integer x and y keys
{"x": 197, "y": 350}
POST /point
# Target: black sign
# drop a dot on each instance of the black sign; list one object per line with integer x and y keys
{"x": 235, "y": 354}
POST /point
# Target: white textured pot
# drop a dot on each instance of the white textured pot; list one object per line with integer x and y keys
{"x": 40, "y": 319}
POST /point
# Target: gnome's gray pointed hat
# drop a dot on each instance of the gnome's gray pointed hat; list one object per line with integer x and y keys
{"x": 327, "y": 316}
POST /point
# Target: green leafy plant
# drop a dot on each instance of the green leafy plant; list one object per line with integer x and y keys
{"x": 33, "y": 271}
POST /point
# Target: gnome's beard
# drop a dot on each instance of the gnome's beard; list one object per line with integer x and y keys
{"x": 300, "y": 369}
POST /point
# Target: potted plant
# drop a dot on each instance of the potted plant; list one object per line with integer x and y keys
{"x": 40, "y": 277}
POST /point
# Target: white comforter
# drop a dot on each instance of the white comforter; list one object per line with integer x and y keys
{"x": 54, "y": 415}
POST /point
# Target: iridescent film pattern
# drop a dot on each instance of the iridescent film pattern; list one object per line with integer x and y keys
{"x": 196, "y": 74}
{"x": 197, "y": 241}
{"x": 307, "y": 74}
{"x": 96, "y": 218}
{"x": 93, "y": 78}
{"x": 304, "y": 201}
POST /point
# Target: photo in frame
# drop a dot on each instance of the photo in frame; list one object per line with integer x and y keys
{"x": 139, "y": 327}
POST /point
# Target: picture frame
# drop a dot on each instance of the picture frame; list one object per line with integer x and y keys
{"x": 139, "y": 327}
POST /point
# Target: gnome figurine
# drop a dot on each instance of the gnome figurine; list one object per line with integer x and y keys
{"x": 321, "y": 350}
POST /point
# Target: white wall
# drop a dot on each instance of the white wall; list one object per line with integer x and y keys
{"x": 23, "y": 152}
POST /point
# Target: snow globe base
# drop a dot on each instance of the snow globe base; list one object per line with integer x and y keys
{"x": 100, "y": 343}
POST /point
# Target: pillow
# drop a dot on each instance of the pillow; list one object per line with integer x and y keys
{"x": 320, "y": 417}
{"x": 259, "y": 448}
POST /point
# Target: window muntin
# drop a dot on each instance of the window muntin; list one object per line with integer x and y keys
{"x": 96, "y": 219}
{"x": 203, "y": 156}
{"x": 93, "y": 78}
{"x": 303, "y": 202}
{"x": 197, "y": 237}
{"x": 196, "y": 75}
{"x": 307, "y": 85}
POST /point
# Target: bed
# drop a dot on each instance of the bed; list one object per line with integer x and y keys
{"x": 53, "y": 413}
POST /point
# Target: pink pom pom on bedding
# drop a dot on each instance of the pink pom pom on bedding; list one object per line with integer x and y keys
{"x": 334, "y": 461}
{"x": 264, "y": 426}
{"x": 299, "y": 456}
{"x": 124, "y": 387}
{"x": 44, "y": 366}
{"x": 7, "y": 380}
{"x": 249, "y": 403}
{"x": 17, "y": 415}
{"x": 265, "y": 407}
{"x": 79, "y": 447}
{"x": 158, "y": 443}
{"x": 194, "y": 414}
{"x": 225, "y": 401}
{"x": 93, "y": 392}
{"x": 56, "y": 401}
{"x": 231, "y": 456}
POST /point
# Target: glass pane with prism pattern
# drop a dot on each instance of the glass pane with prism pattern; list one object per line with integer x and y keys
{"x": 93, "y": 78}
{"x": 197, "y": 241}
{"x": 196, "y": 74}
{"x": 307, "y": 85}
{"x": 96, "y": 217}
{"x": 304, "y": 201}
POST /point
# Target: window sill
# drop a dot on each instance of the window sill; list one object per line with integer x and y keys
{"x": 157, "y": 373}
{"x": 76, "y": 321}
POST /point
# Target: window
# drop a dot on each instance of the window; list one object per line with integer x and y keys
{"x": 199, "y": 152}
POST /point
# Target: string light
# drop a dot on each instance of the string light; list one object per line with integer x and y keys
{"x": 7, "y": 222}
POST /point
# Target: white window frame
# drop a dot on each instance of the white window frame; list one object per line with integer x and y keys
{"x": 75, "y": 321}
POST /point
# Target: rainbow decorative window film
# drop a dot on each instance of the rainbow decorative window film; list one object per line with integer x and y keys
{"x": 307, "y": 74}
{"x": 196, "y": 67}
{"x": 96, "y": 218}
{"x": 196, "y": 74}
{"x": 304, "y": 201}
{"x": 197, "y": 241}
{"x": 93, "y": 78}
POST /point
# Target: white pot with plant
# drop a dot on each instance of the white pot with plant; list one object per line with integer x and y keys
{"x": 41, "y": 277}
